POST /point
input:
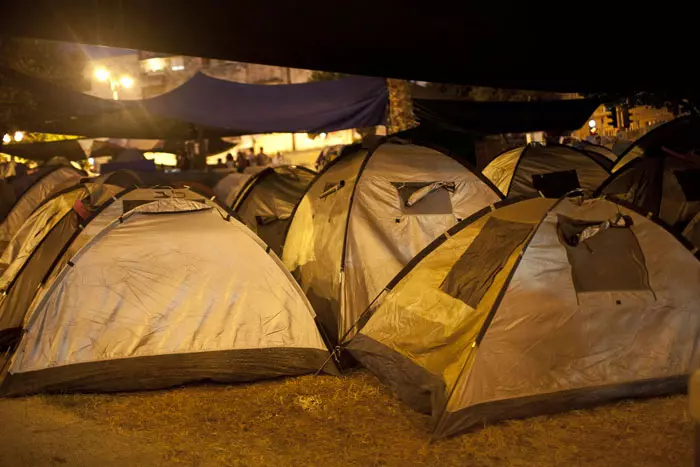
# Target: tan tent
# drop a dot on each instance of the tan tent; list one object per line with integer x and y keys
{"x": 171, "y": 292}
{"x": 266, "y": 202}
{"x": 552, "y": 170}
{"x": 49, "y": 181}
{"x": 366, "y": 215}
{"x": 537, "y": 307}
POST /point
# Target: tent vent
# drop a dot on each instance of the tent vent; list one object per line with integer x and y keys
{"x": 425, "y": 197}
{"x": 331, "y": 188}
{"x": 71, "y": 263}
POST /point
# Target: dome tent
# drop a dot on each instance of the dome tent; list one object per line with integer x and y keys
{"x": 536, "y": 307}
{"x": 266, "y": 202}
{"x": 662, "y": 174}
{"x": 230, "y": 186}
{"x": 366, "y": 215}
{"x": 552, "y": 170}
{"x": 681, "y": 134}
{"x": 43, "y": 183}
{"x": 152, "y": 319}
{"x": 54, "y": 244}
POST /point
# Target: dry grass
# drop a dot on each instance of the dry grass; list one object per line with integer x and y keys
{"x": 354, "y": 421}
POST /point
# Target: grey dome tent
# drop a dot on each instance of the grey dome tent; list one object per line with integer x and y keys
{"x": 43, "y": 184}
{"x": 54, "y": 233}
{"x": 601, "y": 153}
{"x": 663, "y": 180}
{"x": 536, "y": 307}
{"x": 173, "y": 291}
{"x": 266, "y": 202}
{"x": 366, "y": 215}
{"x": 681, "y": 134}
{"x": 552, "y": 170}
{"x": 228, "y": 188}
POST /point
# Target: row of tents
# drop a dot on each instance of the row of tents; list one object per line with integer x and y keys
{"x": 474, "y": 296}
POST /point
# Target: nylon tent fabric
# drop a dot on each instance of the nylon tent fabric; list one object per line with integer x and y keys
{"x": 153, "y": 319}
{"x": 692, "y": 231}
{"x": 535, "y": 342}
{"x": 352, "y": 231}
{"x": 680, "y": 134}
{"x": 228, "y": 188}
{"x": 663, "y": 184}
{"x": 604, "y": 155}
{"x": 552, "y": 170}
{"x": 49, "y": 182}
{"x": 105, "y": 204}
{"x": 266, "y": 203}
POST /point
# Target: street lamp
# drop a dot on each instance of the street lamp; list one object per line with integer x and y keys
{"x": 17, "y": 137}
{"x": 104, "y": 75}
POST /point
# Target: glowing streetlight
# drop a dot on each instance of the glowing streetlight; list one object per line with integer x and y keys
{"x": 19, "y": 136}
{"x": 591, "y": 124}
{"x": 91, "y": 160}
{"x": 6, "y": 139}
{"x": 102, "y": 74}
{"x": 126, "y": 81}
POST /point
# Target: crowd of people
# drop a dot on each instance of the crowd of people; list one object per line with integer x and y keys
{"x": 248, "y": 158}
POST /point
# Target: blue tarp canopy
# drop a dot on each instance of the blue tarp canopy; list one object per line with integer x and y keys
{"x": 215, "y": 107}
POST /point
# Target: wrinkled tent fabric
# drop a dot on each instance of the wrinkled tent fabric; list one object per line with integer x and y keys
{"x": 228, "y": 188}
{"x": 558, "y": 168}
{"x": 682, "y": 135}
{"x": 153, "y": 319}
{"x": 57, "y": 245}
{"x": 664, "y": 184}
{"x": 211, "y": 106}
{"x": 266, "y": 203}
{"x": 603, "y": 154}
{"x": 49, "y": 182}
{"x": 534, "y": 341}
{"x": 351, "y": 232}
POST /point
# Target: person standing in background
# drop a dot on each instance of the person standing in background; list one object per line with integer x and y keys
{"x": 262, "y": 158}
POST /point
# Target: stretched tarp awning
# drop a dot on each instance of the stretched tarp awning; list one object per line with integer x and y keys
{"x": 504, "y": 117}
{"x": 214, "y": 107}
{"x": 353, "y": 102}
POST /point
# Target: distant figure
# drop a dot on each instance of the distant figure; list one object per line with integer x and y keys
{"x": 241, "y": 162}
{"x": 279, "y": 160}
{"x": 230, "y": 163}
{"x": 252, "y": 160}
{"x": 321, "y": 160}
{"x": 220, "y": 164}
{"x": 262, "y": 158}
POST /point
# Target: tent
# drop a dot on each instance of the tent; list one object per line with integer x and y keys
{"x": 54, "y": 234}
{"x": 41, "y": 185}
{"x": 600, "y": 153}
{"x": 663, "y": 180}
{"x": 227, "y": 189}
{"x": 682, "y": 135}
{"x": 366, "y": 215}
{"x": 125, "y": 313}
{"x": 536, "y": 307}
{"x": 552, "y": 170}
{"x": 266, "y": 202}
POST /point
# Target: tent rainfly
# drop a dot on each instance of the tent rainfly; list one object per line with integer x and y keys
{"x": 366, "y": 215}
{"x": 266, "y": 202}
{"x": 125, "y": 313}
{"x": 536, "y": 307}
{"x": 55, "y": 233}
{"x": 663, "y": 180}
{"x": 552, "y": 170}
{"x": 48, "y": 181}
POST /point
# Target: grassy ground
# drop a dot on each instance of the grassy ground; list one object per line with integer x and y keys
{"x": 354, "y": 421}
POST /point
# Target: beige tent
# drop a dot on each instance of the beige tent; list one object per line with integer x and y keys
{"x": 537, "y": 307}
{"x": 49, "y": 181}
{"x": 552, "y": 170}
{"x": 173, "y": 291}
{"x": 366, "y": 215}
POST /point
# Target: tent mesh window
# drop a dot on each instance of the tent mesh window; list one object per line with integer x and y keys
{"x": 689, "y": 180}
{"x": 556, "y": 184}
{"x": 608, "y": 261}
{"x": 425, "y": 197}
{"x": 474, "y": 272}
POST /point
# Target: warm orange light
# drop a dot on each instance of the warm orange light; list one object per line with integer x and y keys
{"x": 126, "y": 81}
{"x": 102, "y": 74}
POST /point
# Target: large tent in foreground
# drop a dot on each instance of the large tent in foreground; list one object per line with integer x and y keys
{"x": 537, "y": 307}
{"x": 266, "y": 201}
{"x": 43, "y": 184}
{"x": 552, "y": 170}
{"x": 366, "y": 215}
{"x": 173, "y": 291}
